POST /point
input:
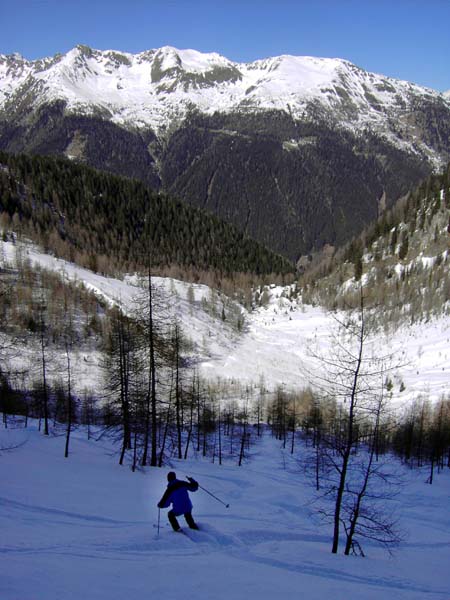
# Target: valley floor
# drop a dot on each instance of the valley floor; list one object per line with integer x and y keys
{"x": 84, "y": 527}
{"x": 276, "y": 344}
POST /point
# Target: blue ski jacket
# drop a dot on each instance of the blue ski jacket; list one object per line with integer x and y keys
{"x": 177, "y": 495}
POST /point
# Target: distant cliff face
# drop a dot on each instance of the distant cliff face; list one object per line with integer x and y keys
{"x": 296, "y": 151}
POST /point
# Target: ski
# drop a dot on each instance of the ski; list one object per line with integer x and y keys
{"x": 185, "y": 533}
{"x": 182, "y": 531}
{"x": 190, "y": 533}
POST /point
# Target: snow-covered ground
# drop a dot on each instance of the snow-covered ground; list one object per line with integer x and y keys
{"x": 276, "y": 342}
{"x": 84, "y": 527}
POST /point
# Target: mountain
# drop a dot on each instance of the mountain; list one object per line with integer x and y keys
{"x": 320, "y": 143}
{"x": 159, "y": 88}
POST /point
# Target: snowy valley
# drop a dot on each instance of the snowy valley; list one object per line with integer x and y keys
{"x": 96, "y": 534}
{"x": 295, "y": 364}
{"x": 278, "y": 341}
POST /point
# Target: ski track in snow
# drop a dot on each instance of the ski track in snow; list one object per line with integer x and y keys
{"x": 85, "y": 526}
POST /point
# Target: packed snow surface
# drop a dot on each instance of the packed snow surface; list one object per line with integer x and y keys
{"x": 84, "y": 527}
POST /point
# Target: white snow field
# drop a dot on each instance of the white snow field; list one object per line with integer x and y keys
{"x": 84, "y": 527}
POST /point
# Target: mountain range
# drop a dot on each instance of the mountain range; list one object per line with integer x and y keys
{"x": 297, "y": 152}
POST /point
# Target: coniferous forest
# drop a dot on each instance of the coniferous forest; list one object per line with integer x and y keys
{"x": 112, "y": 224}
{"x": 402, "y": 259}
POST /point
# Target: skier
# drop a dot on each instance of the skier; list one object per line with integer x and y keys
{"x": 177, "y": 495}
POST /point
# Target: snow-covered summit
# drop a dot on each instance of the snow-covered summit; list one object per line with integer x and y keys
{"x": 152, "y": 88}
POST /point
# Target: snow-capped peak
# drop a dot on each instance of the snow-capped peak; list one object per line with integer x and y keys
{"x": 154, "y": 88}
{"x": 190, "y": 61}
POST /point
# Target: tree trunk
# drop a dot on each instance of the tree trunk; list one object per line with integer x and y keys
{"x": 349, "y": 441}
{"x": 69, "y": 403}
{"x": 44, "y": 384}
{"x": 150, "y": 423}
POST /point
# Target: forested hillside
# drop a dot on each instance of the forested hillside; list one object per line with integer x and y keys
{"x": 320, "y": 143}
{"x": 402, "y": 260}
{"x": 324, "y": 183}
{"x": 113, "y": 224}
{"x": 70, "y": 355}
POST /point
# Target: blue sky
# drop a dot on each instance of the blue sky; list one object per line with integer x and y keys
{"x": 408, "y": 39}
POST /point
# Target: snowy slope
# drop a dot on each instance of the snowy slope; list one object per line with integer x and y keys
{"x": 158, "y": 87}
{"x": 92, "y": 535}
{"x": 209, "y": 335}
{"x": 279, "y": 343}
{"x": 277, "y": 340}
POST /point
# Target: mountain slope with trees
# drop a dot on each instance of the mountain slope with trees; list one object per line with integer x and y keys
{"x": 113, "y": 224}
{"x": 401, "y": 260}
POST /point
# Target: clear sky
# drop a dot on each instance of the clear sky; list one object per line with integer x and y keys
{"x": 407, "y": 39}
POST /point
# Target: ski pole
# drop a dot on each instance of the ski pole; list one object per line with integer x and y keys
{"x": 215, "y": 497}
{"x": 159, "y": 515}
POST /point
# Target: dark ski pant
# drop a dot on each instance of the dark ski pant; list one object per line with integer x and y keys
{"x": 176, "y": 526}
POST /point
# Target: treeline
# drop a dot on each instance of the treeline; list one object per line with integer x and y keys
{"x": 112, "y": 224}
{"x": 419, "y": 436}
{"x": 346, "y": 450}
{"x": 31, "y": 296}
{"x": 423, "y": 436}
{"x": 66, "y": 358}
{"x": 187, "y": 416}
{"x": 210, "y": 423}
{"x": 402, "y": 259}
{"x": 48, "y": 327}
